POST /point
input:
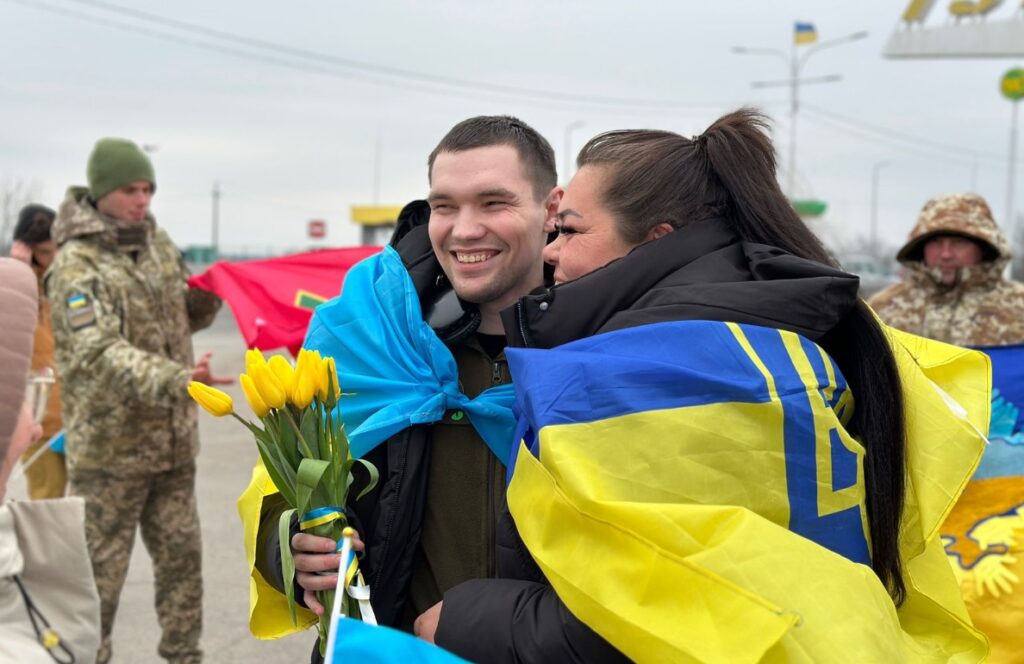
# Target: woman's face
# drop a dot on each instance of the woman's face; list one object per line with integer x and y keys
{"x": 588, "y": 233}
{"x": 43, "y": 253}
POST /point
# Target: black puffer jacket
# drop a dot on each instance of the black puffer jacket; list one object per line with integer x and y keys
{"x": 701, "y": 272}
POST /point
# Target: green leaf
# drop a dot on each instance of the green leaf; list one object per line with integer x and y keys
{"x": 300, "y": 439}
{"x": 323, "y": 439}
{"x": 287, "y": 561}
{"x": 306, "y": 481}
{"x": 370, "y": 468}
{"x": 307, "y": 425}
{"x": 342, "y": 442}
{"x": 274, "y": 469}
{"x": 284, "y": 439}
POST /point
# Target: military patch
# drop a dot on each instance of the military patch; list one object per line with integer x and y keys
{"x": 80, "y": 311}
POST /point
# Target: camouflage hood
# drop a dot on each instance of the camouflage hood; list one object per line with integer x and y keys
{"x": 78, "y": 217}
{"x": 967, "y": 215}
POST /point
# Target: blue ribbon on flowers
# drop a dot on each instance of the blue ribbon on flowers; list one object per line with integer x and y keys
{"x": 320, "y": 516}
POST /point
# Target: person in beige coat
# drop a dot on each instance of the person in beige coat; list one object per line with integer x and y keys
{"x": 34, "y": 246}
{"x": 49, "y": 608}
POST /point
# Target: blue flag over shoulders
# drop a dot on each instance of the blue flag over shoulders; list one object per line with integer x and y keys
{"x": 716, "y": 499}
{"x": 393, "y": 369}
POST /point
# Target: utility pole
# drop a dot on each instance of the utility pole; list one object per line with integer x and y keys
{"x": 1012, "y": 87}
{"x": 874, "y": 205}
{"x": 377, "y": 152}
{"x": 215, "y": 222}
{"x": 1012, "y": 170}
{"x": 795, "y": 63}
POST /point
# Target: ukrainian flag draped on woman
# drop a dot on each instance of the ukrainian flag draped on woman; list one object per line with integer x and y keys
{"x": 704, "y": 501}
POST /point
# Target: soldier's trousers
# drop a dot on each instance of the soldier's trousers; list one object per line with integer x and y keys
{"x": 164, "y": 506}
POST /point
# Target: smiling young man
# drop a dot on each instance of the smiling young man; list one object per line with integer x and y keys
{"x": 430, "y": 523}
{"x": 123, "y": 318}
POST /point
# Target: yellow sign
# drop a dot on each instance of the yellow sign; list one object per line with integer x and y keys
{"x": 1012, "y": 84}
{"x": 961, "y": 29}
{"x": 375, "y": 215}
{"x": 917, "y": 11}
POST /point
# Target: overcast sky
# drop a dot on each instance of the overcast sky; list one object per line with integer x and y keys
{"x": 291, "y": 131}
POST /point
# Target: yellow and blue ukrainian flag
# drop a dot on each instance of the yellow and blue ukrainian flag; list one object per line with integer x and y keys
{"x": 804, "y": 33}
{"x": 984, "y": 535}
{"x": 691, "y": 492}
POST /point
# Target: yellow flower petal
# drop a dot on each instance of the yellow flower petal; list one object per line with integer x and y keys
{"x": 332, "y": 374}
{"x": 268, "y": 386}
{"x": 282, "y": 368}
{"x": 254, "y": 357}
{"x": 211, "y": 399}
{"x": 305, "y": 381}
{"x": 252, "y": 395}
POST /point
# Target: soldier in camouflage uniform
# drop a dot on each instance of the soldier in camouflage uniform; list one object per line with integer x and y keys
{"x": 122, "y": 319}
{"x": 954, "y": 289}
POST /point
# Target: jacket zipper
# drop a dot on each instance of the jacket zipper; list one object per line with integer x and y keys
{"x": 522, "y": 327}
{"x": 492, "y": 517}
{"x": 386, "y": 545}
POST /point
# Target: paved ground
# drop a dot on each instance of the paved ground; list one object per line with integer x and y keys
{"x": 225, "y": 463}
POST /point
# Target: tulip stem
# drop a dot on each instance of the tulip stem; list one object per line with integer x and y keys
{"x": 247, "y": 423}
{"x": 306, "y": 449}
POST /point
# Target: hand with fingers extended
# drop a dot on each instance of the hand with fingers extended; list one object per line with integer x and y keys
{"x": 201, "y": 373}
{"x": 316, "y": 565}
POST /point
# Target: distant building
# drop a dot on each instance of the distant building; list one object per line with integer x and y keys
{"x": 377, "y": 222}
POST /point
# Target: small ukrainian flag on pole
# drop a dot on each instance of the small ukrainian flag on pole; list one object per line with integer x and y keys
{"x": 804, "y": 33}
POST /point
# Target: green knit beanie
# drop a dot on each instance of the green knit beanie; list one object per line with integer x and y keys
{"x": 115, "y": 162}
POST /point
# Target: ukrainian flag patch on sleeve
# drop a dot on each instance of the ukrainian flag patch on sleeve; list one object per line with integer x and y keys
{"x": 80, "y": 311}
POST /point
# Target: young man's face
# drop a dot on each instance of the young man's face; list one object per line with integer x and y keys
{"x": 128, "y": 203}
{"x": 486, "y": 225}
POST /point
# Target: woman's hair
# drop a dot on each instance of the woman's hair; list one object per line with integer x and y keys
{"x": 34, "y": 224}
{"x": 653, "y": 177}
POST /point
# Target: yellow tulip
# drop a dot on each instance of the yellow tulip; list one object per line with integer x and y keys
{"x": 268, "y": 386}
{"x": 319, "y": 366}
{"x": 212, "y": 400}
{"x": 252, "y": 395}
{"x": 332, "y": 373}
{"x": 253, "y": 356}
{"x": 305, "y": 380}
{"x": 282, "y": 368}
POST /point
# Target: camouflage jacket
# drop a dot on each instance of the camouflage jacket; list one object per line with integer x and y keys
{"x": 981, "y": 308}
{"x": 122, "y": 319}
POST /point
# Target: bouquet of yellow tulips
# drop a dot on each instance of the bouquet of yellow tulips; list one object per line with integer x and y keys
{"x": 303, "y": 446}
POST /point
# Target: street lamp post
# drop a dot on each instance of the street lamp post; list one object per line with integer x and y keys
{"x": 795, "y": 63}
{"x": 569, "y": 128}
{"x": 215, "y": 220}
{"x": 874, "y": 203}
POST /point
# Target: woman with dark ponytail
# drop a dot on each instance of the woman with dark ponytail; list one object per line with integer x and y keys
{"x": 725, "y": 455}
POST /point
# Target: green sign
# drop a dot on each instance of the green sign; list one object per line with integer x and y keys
{"x": 1012, "y": 84}
{"x": 809, "y": 208}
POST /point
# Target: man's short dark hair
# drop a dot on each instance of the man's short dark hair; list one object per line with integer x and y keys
{"x": 34, "y": 224}
{"x": 486, "y": 130}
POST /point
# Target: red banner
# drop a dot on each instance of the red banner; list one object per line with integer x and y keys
{"x": 273, "y": 299}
